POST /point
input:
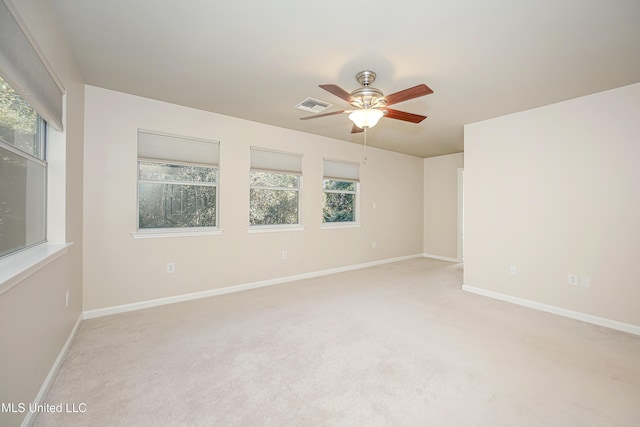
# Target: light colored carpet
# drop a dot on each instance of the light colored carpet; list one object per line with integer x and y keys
{"x": 394, "y": 345}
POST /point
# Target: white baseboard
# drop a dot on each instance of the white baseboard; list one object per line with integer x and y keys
{"x": 613, "y": 324}
{"x": 28, "y": 419}
{"x": 90, "y": 314}
{"x": 441, "y": 258}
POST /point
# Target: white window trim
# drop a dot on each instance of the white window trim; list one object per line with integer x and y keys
{"x": 266, "y": 160}
{"x": 342, "y": 170}
{"x": 333, "y": 225}
{"x": 165, "y": 152}
{"x": 20, "y": 265}
{"x": 274, "y": 228}
{"x": 160, "y": 233}
{"x": 43, "y": 90}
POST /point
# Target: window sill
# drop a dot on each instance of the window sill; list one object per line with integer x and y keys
{"x": 274, "y": 228}
{"x": 164, "y": 234}
{"x": 17, "y": 267}
{"x": 334, "y": 225}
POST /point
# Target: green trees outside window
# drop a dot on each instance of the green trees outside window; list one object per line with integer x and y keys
{"x": 339, "y": 201}
{"x": 274, "y": 198}
{"x": 176, "y": 196}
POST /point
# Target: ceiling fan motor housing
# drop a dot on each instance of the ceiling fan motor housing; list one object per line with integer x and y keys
{"x": 367, "y": 96}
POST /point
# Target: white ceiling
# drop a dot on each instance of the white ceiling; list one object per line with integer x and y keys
{"x": 257, "y": 59}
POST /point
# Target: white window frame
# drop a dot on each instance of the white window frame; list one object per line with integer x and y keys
{"x": 276, "y": 162}
{"x": 342, "y": 170}
{"x": 164, "y": 148}
{"x": 27, "y": 71}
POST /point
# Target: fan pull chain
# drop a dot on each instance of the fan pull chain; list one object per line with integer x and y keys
{"x": 364, "y": 159}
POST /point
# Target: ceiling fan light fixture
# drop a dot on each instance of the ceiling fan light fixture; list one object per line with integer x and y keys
{"x": 366, "y": 118}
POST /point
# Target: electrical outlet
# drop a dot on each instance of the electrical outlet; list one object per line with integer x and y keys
{"x": 66, "y": 299}
{"x": 284, "y": 255}
{"x": 585, "y": 281}
{"x": 572, "y": 279}
{"x": 171, "y": 267}
{"x": 374, "y": 245}
{"x": 513, "y": 270}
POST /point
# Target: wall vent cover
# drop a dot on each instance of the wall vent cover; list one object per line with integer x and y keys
{"x": 313, "y": 105}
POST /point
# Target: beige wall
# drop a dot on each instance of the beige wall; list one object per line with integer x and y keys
{"x": 121, "y": 270}
{"x": 441, "y": 205}
{"x": 554, "y": 191}
{"x": 34, "y": 323}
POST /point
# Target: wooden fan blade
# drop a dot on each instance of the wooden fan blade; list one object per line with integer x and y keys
{"x": 407, "y": 94}
{"x": 401, "y": 115}
{"x": 333, "y": 113}
{"x": 337, "y": 91}
{"x": 356, "y": 129}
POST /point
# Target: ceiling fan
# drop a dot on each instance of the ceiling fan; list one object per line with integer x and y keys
{"x": 371, "y": 104}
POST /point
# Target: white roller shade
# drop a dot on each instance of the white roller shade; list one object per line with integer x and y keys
{"x": 23, "y": 69}
{"x": 177, "y": 148}
{"x": 340, "y": 170}
{"x": 275, "y": 161}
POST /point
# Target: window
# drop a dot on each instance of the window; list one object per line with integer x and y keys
{"x": 23, "y": 173}
{"x": 177, "y": 183}
{"x": 274, "y": 194}
{"x": 340, "y": 185}
{"x": 30, "y": 101}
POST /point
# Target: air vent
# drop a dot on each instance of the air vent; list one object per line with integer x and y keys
{"x": 313, "y": 105}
